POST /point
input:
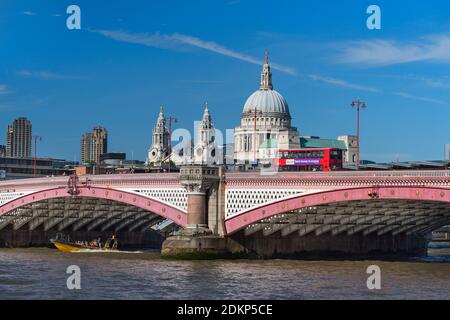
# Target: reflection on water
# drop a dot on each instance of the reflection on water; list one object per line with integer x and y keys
{"x": 40, "y": 274}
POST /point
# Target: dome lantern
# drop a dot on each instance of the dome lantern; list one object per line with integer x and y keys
{"x": 266, "y": 75}
{"x": 266, "y": 100}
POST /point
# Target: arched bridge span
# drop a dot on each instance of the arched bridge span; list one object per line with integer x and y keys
{"x": 89, "y": 207}
{"x": 362, "y": 210}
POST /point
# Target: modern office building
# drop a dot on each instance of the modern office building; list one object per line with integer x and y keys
{"x": 19, "y": 168}
{"x": 2, "y": 151}
{"x": 93, "y": 145}
{"x": 447, "y": 152}
{"x": 18, "y": 139}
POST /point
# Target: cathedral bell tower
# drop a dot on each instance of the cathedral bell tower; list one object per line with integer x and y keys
{"x": 205, "y": 147}
{"x": 159, "y": 149}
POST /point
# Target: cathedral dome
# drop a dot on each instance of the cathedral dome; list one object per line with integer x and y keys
{"x": 266, "y": 101}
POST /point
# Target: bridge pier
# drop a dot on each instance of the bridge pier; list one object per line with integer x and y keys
{"x": 196, "y": 207}
{"x": 203, "y": 236}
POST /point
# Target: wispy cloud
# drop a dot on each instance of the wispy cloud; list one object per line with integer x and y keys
{"x": 4, "y": 90}
{"x": 43, "y": 75}
{"x": 437, "y": 83}
{"x": 28, "y": 13}
{"x": 431, "y": 48}
{"x": 342, "y": 83}
{"x": 175, "y": 40}
{"x": 419, "y": 98}
{"x": 432, "y": 82}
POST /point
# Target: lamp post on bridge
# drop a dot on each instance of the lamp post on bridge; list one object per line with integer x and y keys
{"x": 36, "y": 138}
{"x": 358, "y": 104}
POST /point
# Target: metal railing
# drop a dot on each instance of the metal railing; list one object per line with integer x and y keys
{"x": 346, "y": 174}
{"x": 144, "y": 178}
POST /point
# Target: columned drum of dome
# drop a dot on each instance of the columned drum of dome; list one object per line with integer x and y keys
{"x": 265, "y": 117}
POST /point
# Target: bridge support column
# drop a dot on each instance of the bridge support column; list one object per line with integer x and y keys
{"x": 202, "y": 237}
{"x": 196, "y": 207}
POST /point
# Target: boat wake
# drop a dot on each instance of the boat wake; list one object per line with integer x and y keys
{"x": 105, "y": 251}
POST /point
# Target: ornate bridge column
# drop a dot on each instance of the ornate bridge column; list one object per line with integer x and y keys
{"x": 198, "y": 181}
{"x": 203, "y": 236}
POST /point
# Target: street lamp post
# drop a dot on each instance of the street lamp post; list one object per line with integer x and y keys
{"x": 358, "y": 104}
{"x": 35, "y": 138}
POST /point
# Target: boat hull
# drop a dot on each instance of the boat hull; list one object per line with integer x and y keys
{"x": 70, "y": 247}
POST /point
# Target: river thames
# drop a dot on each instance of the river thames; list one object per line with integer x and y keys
{"x": 40, "y": 273}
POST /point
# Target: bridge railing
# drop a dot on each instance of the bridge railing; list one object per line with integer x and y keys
{"x": 149, "y": 178}
{"x": 113, "y": 179}
{"x": 348, "y": 174}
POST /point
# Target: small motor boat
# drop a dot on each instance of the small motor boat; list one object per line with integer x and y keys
{"x": 64, "y": 244}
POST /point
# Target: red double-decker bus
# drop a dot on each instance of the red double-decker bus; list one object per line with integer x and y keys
{"x": 312, "y": 159}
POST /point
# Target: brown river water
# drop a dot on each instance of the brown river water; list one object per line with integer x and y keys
{"x": 40, "y": 273}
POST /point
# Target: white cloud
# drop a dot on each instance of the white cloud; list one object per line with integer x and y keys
{"x": 29, "y": 13}
{"x": 431, "y": 48}
{"x": 175, "y": 40}
{"x": 437, "y": 83}
{"x": 419, "y": 98}
{"x": 342, "y": 83}
{"x": 4, "y": 90}
{"x": 42, "y": 75}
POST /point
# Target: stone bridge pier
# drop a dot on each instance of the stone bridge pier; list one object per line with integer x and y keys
{"x": 204, "y": 234}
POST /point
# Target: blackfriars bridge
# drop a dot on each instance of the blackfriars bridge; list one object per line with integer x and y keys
{"x": 264, "y": 214}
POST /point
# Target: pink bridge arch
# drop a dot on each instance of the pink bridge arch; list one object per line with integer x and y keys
{"x": 157, "y": 207}
{"x": 418, "y": 193}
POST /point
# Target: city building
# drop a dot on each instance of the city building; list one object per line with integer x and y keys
{"x": 93, "y": 145}
{"x": 19, "y": 168}
{"x": 18, "y": 139}
{"x": 447, "y": 152}
{"x": 265, "y": 128}
{"x": 351, "y": 148}
{"x": 204, "y": 148}
{"x": 159, "y": 149}
{"x": 2, "y": 151}
{"x": 113, "y": 158}
{"x": 265, "y": 117}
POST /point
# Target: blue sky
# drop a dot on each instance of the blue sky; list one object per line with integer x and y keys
{"x": 132, "y": 56}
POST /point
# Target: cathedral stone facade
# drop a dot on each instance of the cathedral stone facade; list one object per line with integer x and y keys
{"x": 159, "y": 150}
{"x": 265, "y": 124}
{"x": 205, "y": 149}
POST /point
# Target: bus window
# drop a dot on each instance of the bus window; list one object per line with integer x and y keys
{"x": 335, "y": 154}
